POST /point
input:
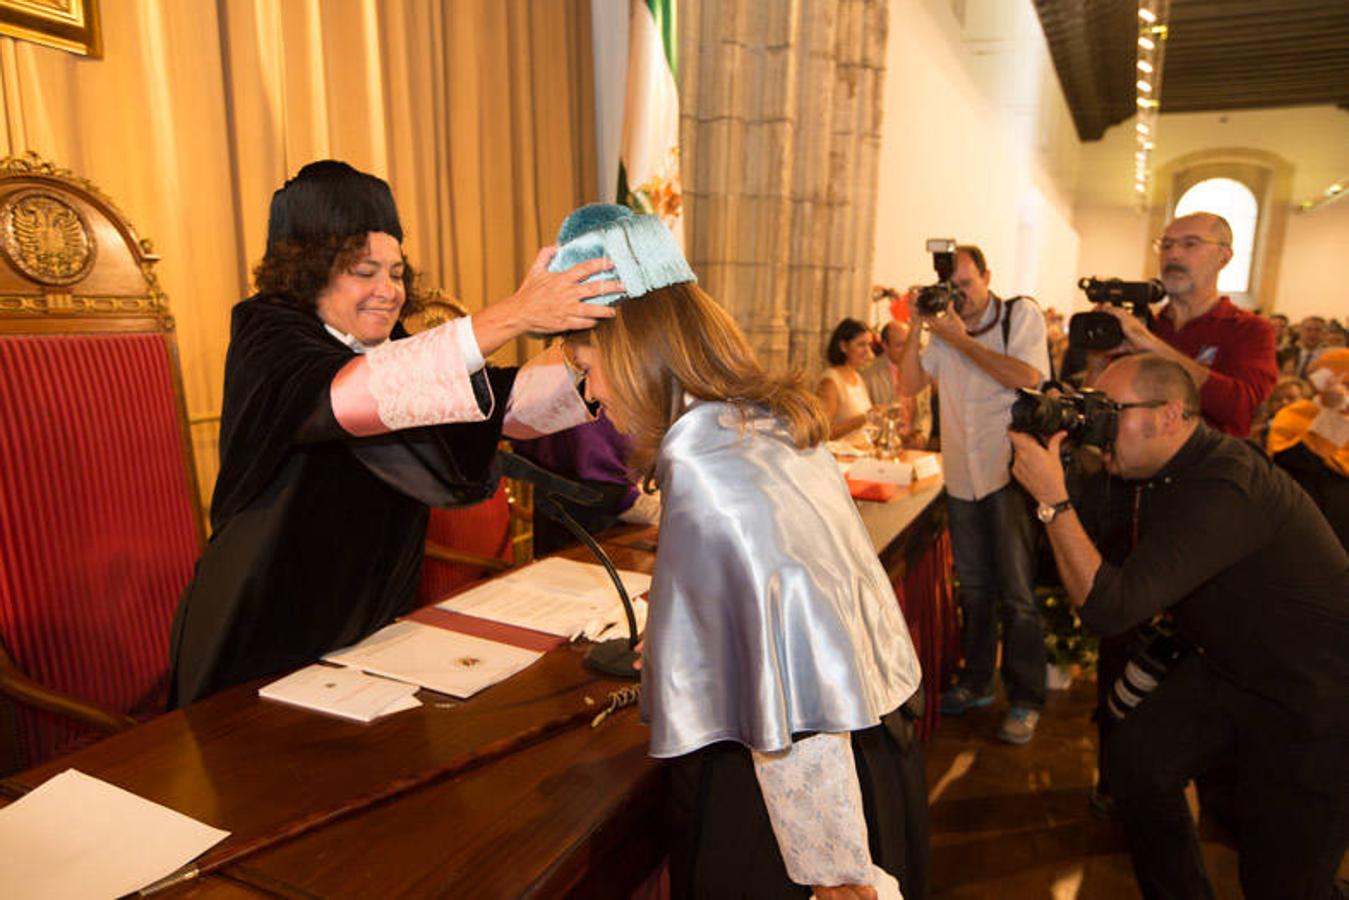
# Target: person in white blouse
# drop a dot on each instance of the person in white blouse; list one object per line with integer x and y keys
{"x": 843, "y": 390}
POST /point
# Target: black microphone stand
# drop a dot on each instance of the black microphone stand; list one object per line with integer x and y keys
{"x": 616, "y": 656}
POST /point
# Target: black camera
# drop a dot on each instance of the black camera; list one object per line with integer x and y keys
{"x": 1089, "y": 417}
{"x": 1101, "y": 331}
{"x": 935, "y": 298}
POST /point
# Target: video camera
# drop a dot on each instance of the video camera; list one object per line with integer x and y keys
{"x": 1100, "y": 330}
{"x": 935, "y": 298}
{"x": 1089, "y": 417}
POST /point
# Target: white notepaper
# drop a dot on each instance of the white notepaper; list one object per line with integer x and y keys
{"x": 456, "y": 664}
{"x": 925, "y": 465}
{"x": 76, "y": 836}
{"x": 883, "y": 471}
{"x": 556, "y": 596}
{"x": 1331, "y": 425}
{"x": 348, "y": 693}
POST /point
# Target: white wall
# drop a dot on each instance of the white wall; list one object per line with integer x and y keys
{"x": 1314, "y": 275}
{"x": 977, "y": 144}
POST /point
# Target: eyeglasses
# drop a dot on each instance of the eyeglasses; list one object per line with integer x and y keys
{"x": 1188, "y": 244}
{"x": 1140, "y": 404}
{"x": 1150, "y": 404}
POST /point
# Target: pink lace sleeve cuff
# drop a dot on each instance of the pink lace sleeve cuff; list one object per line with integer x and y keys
{"x": 544, "y": 398}
{"x": 407, "y": 383}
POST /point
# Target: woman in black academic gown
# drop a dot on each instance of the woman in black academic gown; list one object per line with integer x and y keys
{"x": 776, "y": 661}
{"x": 338, "y": 430}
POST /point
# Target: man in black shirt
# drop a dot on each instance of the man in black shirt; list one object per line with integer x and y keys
{"x": 1258, "y": 583}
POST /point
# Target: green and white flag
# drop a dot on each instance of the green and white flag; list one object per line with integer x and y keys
{"x": 648, "y": 176}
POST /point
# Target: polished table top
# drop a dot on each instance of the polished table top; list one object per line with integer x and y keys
{"x": 574, "y": 810}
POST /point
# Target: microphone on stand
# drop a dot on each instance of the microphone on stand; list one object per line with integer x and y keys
{"x": 614, "y": 657}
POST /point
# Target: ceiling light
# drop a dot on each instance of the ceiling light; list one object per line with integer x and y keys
{"x": 1144, "y": 86}
{"x": 1144, "y": 66}
{"x": 1147, "y": 15}
{"x": 1335, "y": 188}
{"x": 1146, "y": 43}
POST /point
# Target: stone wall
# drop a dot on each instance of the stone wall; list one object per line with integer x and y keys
{"x": 781, "y": 136}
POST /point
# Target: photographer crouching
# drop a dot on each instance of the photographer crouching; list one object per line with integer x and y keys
{"x": 983, "y": 348}
{"x": 1258, "y": 587}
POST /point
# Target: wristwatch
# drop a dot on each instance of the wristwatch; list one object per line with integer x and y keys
{"x": 1048, "y": 512}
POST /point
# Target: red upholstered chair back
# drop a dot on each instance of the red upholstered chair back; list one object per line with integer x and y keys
{"x": 100, "y": 522}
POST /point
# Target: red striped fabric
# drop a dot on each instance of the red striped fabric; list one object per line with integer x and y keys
{"x": 928, "y": 599}
{"x": 483, "y": 530}
{"x": 97, "y": 537}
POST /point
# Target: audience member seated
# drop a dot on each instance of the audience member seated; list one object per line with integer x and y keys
{"x": 1309, "y": 439}
{"x": 912, "y": 414}
{"x": 842, "y": 389}
{"x": 1311, "y": 334}
{"x": 1288, "y": 389}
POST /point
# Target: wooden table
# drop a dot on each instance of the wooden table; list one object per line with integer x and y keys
{"x": 578, "y": 812}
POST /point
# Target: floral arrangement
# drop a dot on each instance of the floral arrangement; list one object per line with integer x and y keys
{"x": 1066, "y": 641}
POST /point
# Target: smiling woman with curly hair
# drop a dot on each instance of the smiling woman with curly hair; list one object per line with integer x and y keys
{"x": 338, "y": 430}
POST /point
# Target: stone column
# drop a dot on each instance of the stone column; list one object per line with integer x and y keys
{"x": 781, "y": 132}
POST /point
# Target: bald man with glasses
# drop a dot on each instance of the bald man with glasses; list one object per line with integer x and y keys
{"x": 1257, "y": 585}
{"x": 1228, "y": 352}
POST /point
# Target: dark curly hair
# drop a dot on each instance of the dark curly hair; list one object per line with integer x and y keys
{"x": 296, "y": 272}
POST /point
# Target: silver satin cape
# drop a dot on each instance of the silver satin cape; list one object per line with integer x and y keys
{"x": 770, "y": 613}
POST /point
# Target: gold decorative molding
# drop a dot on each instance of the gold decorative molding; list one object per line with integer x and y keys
{"x": 70, "y": 25}
{"x": 59, "y": 303}
{"x": 45, "y": 238}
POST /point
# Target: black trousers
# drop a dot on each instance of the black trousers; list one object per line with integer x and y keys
{"x": 722, "y": 842}
{"x": 1292, "y": 812}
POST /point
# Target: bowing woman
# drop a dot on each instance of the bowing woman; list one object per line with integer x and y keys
{"x": 338, "y": 430}
{"x": 776, "y": 659}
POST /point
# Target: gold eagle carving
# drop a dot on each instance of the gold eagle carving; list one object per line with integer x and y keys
{"x": 46, "y": 238}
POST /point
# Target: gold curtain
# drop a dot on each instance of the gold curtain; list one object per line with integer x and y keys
{"x": 478, "y": 112}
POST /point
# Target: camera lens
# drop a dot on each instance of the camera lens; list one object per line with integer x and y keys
{"x": 1035, "y": 413}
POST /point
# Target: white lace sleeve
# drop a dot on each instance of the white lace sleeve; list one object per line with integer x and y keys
{"x": 544, "y": 399}
{"x": 815, "y": 804}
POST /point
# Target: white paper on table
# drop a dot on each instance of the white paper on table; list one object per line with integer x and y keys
{"x": 447, "y": 661}
{"x": 1331, "y": 425}
{"x": 348, "y": 693}
{"x": 883, "y": 471}
{"x": 556, "y": 596}
{"x": 925, "y": 465}
{"x": 77, "y": 836}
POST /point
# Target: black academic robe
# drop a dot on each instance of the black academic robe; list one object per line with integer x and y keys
{"x": 316, "y": 535}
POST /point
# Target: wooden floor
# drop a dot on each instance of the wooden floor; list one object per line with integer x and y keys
{"x": 1013, "y": 822}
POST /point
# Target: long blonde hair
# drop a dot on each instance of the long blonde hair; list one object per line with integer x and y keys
{"x": 677, "y": 339}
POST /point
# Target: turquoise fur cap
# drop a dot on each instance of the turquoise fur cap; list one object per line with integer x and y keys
{"x": 643, "y": 251}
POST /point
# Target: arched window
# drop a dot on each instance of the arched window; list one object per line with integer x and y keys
{"x": 1234, "y": 202}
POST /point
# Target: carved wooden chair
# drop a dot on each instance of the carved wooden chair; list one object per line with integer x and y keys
{"x": 466, "y": 544}
{"x": 100, "y": 521}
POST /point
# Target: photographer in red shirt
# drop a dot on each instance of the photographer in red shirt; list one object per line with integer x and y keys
{"x": 1227, "y": 351}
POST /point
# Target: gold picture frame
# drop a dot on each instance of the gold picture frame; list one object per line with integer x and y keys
{"x": 70, "y": 25}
